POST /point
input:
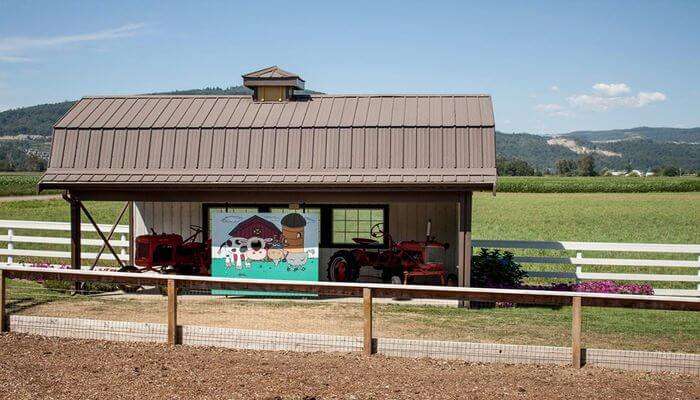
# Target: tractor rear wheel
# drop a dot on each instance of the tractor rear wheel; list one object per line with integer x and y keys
{"x": 343, "y": 267}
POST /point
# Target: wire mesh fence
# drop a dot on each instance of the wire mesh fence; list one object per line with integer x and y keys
{"x": 645, "y": 339}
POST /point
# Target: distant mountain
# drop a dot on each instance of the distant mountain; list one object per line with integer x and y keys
{"x": 640, "y": 148}
{"x": 661, "y": 135}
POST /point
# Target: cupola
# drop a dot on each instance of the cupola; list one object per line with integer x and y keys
{"x": 273, "y": 84}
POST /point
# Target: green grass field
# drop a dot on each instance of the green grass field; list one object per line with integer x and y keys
{"x": 618, "y": 217}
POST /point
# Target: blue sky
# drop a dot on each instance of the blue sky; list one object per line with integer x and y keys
{"x": 550, "y": 66}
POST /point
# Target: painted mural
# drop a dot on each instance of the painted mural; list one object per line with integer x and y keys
{"x": 265, "y": 246}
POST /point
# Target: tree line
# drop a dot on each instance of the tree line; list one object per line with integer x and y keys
{"x": 583, "y": 166}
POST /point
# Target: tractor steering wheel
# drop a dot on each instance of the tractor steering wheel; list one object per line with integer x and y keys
{"x": 376, "y": 231}
{"x": 196, "y": 229}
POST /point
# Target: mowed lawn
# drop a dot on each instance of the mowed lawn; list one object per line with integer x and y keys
{"x": 629, "y": 217}
{"x": 603, "y": 217}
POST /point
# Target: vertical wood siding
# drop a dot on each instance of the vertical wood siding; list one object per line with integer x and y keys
{"x": 407, "y": 221}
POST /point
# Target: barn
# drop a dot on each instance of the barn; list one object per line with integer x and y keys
{"x": 354, "y": 160}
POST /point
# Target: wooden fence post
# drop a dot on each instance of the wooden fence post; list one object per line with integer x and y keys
{"x": 172, "y": 313}
{"x": 576, "y": 332}
{"x": 367, "y": 307}
{"x": 4, "y": 325}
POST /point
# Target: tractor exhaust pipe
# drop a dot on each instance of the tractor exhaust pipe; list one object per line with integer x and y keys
{"x": 427, "y": 233}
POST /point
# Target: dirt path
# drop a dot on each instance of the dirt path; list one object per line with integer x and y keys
{"x": 35, "y": 367}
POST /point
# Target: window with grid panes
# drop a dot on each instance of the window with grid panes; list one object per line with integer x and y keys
{"x": 349, "y": 223}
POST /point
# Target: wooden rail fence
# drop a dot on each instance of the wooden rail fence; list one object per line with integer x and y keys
{"x": 365, "y": 290}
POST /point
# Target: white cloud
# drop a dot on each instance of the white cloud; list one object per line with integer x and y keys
{"x": 611, "y": 89}
{"x": 549, "y": 107}
{"x": 596, "y": 102}
{"x": 11, "y": 46}
{"x": 644, "y": 98}
{"x": 554, "y": 110}
{"x": 554, "y": 88}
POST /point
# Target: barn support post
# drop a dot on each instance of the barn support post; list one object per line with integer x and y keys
{"x": 75, "y": 233}
{"x": 367, "y": 312}
{"x": 4, "y": 325}
{"x": 172, "y": 313}
{"x": 464, "y": 240}
{"x": 576, "y": 359}
{"x": 109, "y": 236}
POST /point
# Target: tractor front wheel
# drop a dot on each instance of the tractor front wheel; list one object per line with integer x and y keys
{"x": 343, "y": 267}
{"x": 127, "y": 288}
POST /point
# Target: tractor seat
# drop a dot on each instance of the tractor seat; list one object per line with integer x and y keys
{"x": 364, "y": 241}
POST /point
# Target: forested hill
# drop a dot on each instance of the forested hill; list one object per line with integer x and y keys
{"x": 638, "y": 148}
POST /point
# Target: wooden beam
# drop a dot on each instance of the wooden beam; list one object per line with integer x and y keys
{"x": 576, "y": 332}
{"x": 172, "y": 313}
{"x": 367, "y": 312}
{"x": 518, "y": 296}
{"x": 75, "y": 233}
{"x": 465, "y": 242}
{"x": 109, "y": 236}
{"x": 4, "y": 325}
{"x": 99, "y": 232}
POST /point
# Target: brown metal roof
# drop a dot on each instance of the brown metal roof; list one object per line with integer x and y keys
{"x": 270, "y": 72}
{"x": 380, "y": 140}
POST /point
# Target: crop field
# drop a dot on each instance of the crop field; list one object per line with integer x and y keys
{"x": 20, "y": 183}
{"x": 554, "y": 184}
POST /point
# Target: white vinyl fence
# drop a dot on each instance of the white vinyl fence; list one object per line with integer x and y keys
{"x": 121, "y": 243}
{"x": 579, "y": 262}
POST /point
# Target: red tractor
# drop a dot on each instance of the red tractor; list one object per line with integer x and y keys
{"x": 170, "y": 253}
{"x": 400, "y": 262}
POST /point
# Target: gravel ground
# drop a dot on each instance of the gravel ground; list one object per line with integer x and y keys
{"x": 35, "y": 367}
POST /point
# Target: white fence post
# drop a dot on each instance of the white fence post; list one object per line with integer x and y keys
{"x": 10, "y": 245}
{"x": 579, "y": 268}
{"x": 698, "y": 272}
{"x": 122, "y": 252}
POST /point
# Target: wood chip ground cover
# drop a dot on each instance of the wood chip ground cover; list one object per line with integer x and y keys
{"x": 35, "y": 367}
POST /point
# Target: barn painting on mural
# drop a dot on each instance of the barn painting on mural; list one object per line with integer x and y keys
{"x": 274, "y": 245}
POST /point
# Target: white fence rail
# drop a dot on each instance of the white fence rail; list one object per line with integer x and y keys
{"x": 121, "y": 244}
{"x": 9, "y": 239}
{"x": 580, "y": 261}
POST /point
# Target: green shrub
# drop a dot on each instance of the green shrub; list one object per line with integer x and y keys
{"x": 496, "y": 269}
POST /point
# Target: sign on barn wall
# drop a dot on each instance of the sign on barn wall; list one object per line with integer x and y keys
{"x": 277, "y": 245}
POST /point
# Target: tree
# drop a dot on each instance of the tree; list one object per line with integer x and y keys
{"x": 514, "y": 167}
{"x": 586, "y": 166}
{"x": 565, "y": 167}
{"x": 669, "y": 170}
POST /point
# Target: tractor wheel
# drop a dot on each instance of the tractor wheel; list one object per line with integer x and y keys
{"x": 343, "y": 267}
{"x": 126, "y": 288}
